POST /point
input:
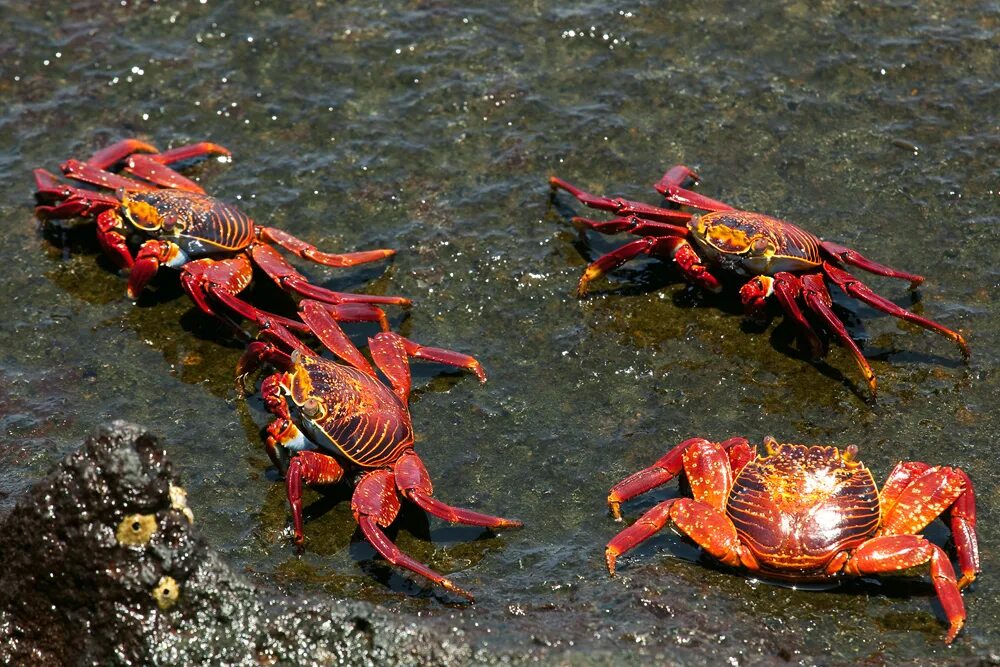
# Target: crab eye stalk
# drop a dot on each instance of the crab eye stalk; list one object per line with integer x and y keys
{"x": 312, "y": 408}
{"x": 761, "y": 246}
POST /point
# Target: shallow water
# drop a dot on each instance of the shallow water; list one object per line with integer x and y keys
{"x": 433, "y": 130}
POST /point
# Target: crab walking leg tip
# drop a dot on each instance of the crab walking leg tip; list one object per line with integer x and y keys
{"x": 448, "y": 585}
{"x": 610, "y": 558}
{"x": 615, "y": 507}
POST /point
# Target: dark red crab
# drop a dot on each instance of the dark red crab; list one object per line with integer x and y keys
{"x": 808, "y": 513}
{"x": 214, "y": 244}
{"x": 780, "y": 259}
{"x": 334, "y": 420}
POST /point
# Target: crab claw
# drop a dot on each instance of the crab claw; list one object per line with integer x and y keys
{"x": 151, "y": 256}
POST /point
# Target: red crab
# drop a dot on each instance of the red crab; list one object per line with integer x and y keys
{"x": 780, "y": 259}
{"x": 335, "y": 419}
{"x": 214, "y": 244}
{"x": 808, "y": 513}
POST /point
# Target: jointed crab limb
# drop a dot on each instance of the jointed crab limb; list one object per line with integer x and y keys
{"x": 307, "y": 251}
{"x": 438, "y": 355}
{"x": 652, "y": 246}
{"x": 855, "y": 258}
{"x": 111, "y": 236}
{"x": 414, "y": 483}
{"x": 668, "y": 467}
{"x": 632, "y": 224}
{"x": 311, "y": 468}
{"x": 325, "y": 327}
{"x": 705, "y": 525}
{"x": 72, "y": 201}
{"x": 289, "y": 279}
{"x": 623, "y": 207}
{"x": 899, "y": 552}
{"x": 925, "y": 498}
{"x": 376, "y": 504}
{"x": 899, "y": 478}
{"x": 153, "y": 254}
{"x": 88, "y": 173}
{"x": 191, "y": 152}
{"x": 690, "y": 265}
{"x": 116, "y": 152}
{"x": 961, "y": 517}
{"x": 816, "y": 296}
{"x": 155, "y": 171}
{"x": 857, "y": 289}
{"x": 670, "y": 187}
{"x": 786, "y": 288}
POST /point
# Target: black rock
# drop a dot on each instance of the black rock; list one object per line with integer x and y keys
{"x": 101, "y": 565}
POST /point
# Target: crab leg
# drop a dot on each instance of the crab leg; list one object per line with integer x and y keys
{"x": 623, "y": 207}
{"x": 670, "y": 187}
{"x": 849, "y": 256}
{"x": 286, "y": 277}
{"x": 388, "y": 344}
{"x": 414, "y": 483}
{"x": 857, "y": 289}
{"x": 816, "y": 296}
{"x": 325, "y": 327}
{"x": 306, "y": 251}
{"x": 223, "y": 280}
{"x": 654, "y": 246}
{"x": 669, "y": 465}
{"x": 190, "y": 152}
{"x": 900, "y": 477}
{"x": 707, "y": 526}
{"x": 68, "y": 201}
{"x": 309, "y": 467}
{"x": 111, "y": 236}
{"x": 88, "y": 173}
{"x": 632, "y": 224}
{"x": 153, "y": 254}
{"x": 962, "y": 520}
{"x": 892, "y": 553}
{"x": 109, "y": 156}
{"x": 932, "y": 493}
{"x": 375, "y": 505}
{"x": 786, "y": 288}
{"x": 155, "y": 171}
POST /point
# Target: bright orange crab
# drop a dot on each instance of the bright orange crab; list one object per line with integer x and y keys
{"x": 808, "y": 513}
{"x": 780, "y": 259}
{"x": 335, "y": 419}
{"x": 214, "y": 244}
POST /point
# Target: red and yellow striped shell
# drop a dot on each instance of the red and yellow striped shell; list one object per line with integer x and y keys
{"x": 199, "y": 223}
{"x": 348, "y": 412}
{"x": 754, "y": 244}
{"x": 799, "y": 506}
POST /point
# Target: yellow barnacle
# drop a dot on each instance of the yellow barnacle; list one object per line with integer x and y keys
{"x": 142, "y": 214}
{"x": 136, "y": 529}
{"x": 166, "y": 592}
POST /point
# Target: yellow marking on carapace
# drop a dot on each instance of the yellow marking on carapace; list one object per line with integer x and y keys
{"x": 727, "y": 239}
{"x": 142, "y": 214}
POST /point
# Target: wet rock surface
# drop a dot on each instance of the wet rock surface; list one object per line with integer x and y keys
{"x": 103, "y": 566}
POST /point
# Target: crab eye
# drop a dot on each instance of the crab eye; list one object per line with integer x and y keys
{"x": 760, "y": 244}
{"x": 312, "y": 408}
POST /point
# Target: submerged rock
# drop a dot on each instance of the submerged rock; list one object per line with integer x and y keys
{"x": 101, "y": 565}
